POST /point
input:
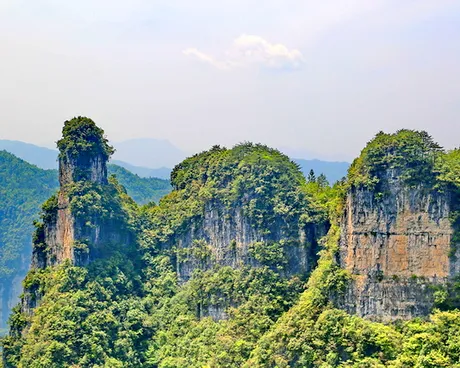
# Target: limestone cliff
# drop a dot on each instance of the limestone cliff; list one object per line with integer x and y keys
{"x": 397, "y": 242}
{"x": 242, "y": 208}
{"x": 85, "y": 219}
{"x": 227, "y": 237}
{"x": 63, "y": 231}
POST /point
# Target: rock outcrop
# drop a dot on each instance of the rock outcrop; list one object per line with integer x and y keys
{"x": 241, "y": 208}
{"x": 63, "y": 232}
{"x": 85, "y": 219}
{"x": 398, "y": 247}
{"x": 227, "y": 237}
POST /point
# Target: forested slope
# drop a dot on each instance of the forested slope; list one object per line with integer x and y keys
{"x": 23, "y": 189}
{"x": 243, "y": 264}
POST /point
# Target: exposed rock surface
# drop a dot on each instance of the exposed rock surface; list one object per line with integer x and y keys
{"x": 63, "y": 231}
{"x": 85, "y": 218}
{"x": 396, "y": 248}
{"x": 225, "y": 238}
{"x": 245, "y": 208}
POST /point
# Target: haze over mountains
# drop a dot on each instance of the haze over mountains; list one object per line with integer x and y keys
{"x": 148, "y": 157}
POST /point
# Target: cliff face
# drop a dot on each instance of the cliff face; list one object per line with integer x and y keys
{"x": 63, "y": 232}
{"x": 396, "y": 248}
{"x": 85, "y": 219}
{"x": 227, "y": 237}
{"x": 246, "y": 209}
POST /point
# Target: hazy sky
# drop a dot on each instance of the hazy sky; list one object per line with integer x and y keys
{"x": 318, "y": 78}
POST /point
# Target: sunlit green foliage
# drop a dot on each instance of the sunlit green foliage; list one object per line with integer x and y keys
{"x": 142, "y": 190}
{"x": 448, "y": 168}
{"x": 23, "y": 188}
{"x": 82, "y": 138}
{"x": 410, "y": 154}
{"x": 88, "y": 317}
{"x": 129, "y": 309}
{"x": 262, "y": 181}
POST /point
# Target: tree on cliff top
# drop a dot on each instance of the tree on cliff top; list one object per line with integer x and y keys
{"x": 411, "y": 153}
{"x": 82, "y": 137}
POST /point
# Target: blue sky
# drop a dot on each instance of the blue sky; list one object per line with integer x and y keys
{"x": 314, "y": 78}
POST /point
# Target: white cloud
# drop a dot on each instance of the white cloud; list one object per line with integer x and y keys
{"x": 249, "y": 50}
{"x": 206, "y": 58}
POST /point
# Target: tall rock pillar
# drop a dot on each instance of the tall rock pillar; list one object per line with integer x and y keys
{"x": 66, "y": 233}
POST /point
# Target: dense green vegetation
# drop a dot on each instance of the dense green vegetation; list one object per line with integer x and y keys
{"x": 142, "y": 190}
{"x": 264, "y": 182}
{"x": 410, "y": 155}
{"x": 23, "y": 188}
{"x": 130, "y": 309}
{"x": 82, "y": 138}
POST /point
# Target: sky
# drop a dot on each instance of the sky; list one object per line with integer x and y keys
{"x": 316, "y": 79}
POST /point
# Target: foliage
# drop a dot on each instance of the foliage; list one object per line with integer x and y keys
{"x": 410, "y": 154}
{"x": 315, "y": 334}
{"x": 142, "y": 190}
{"x": 265, "y": 184}
{"x": 23, "y": 188}
{"x": 448, "y": 168}
{"x": 81, "y": 137}
{"x": 129, "y": 308}
{"x": 88, "y": 317}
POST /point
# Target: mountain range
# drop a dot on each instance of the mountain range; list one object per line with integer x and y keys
{"x": 148, "y": 157}
{"x": 245, "y": 264}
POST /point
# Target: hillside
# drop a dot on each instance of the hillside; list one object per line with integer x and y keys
{"x": 142, "y": 190}
{"x": 245, "y": 263}
{"x": 41, "y": 157}
{"x": 23, "y": 189}
{"x": 46, "y": 158}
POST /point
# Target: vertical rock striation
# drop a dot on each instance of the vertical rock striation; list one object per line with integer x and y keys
{"x": 85, "y": 219}
{"x": 244, "y": 208}
{"x": 397, "y": 236}
{"x": 395, "y": 248}
{"x": 63, "y": 232}
{"x": 228, "y": 237}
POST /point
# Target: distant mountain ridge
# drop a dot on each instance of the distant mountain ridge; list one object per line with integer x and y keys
{"x": 145, "y": 155}
{"x": 334, "y": 171}
{"x": 41, "y": 157}
{"x": 148, "y": 152}
{"x": 46, "y": 158}
{"x": 145, "y": 172}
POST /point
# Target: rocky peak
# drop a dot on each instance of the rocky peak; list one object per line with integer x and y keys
{"x": 397, "y": 237}
{"x": 241, "y": 208}
{"x": 64, "y": 234}
{"x": 83, "y": 152}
